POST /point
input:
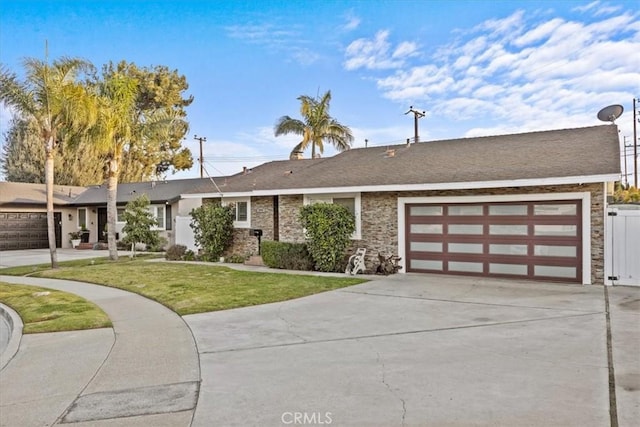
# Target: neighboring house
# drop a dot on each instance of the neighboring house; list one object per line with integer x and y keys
{"x": 526, "y": 206}
{"x": 23, "y": 215}
{"x": 23, "y": 210}
{"x": 164, "y": 196}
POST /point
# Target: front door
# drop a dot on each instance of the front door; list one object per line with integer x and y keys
{"x": 102, "y": 222}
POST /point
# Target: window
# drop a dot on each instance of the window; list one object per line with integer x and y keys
{"x": 242, "y": 210}
{"x": 351, "y": 201}
{"x": 120, "y": 215}
{"x": 82, "y": 217}
{"x": 158, "y": 212}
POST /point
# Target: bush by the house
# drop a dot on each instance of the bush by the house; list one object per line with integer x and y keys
{"x": 212, "y": 226}
{"x": 159, "y": 245}
{"x": 329, "y": 228}
{"x": 175, "y": 252}
{"x": 189, "y": 255}
{"x": 236, "y": 258}
{"x": 287, "y": 256}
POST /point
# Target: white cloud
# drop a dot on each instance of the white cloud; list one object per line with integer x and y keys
{"x": 597, "y": 10}
{"x": 289, "y": 40}
{"x": 377, "y": 54}
{"x": 520, "y": 72}
{"x": 352, "y": 22}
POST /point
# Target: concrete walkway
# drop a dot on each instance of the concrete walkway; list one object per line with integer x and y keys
{"x": 145, "y": 371}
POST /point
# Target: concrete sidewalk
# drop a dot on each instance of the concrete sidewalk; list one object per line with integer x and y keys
{"x": 144, "y": 371}
{"x": 42, "y": 256}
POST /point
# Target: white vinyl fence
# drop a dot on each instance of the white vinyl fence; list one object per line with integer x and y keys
{"x": 184, "y": 233}
{"x": 622, "y": 245}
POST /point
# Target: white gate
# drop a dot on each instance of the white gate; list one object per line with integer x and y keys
{"x": 622, "y": 247}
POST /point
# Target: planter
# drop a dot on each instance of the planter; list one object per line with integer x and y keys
{"x": 85, "y": 237}
{"x": 75, "y": 243}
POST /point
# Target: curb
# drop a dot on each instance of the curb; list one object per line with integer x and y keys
{"x": 15, "y": 331}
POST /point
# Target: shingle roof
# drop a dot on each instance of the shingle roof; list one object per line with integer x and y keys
{"x": 20, "y": 193}
{"x": 156, "y": 191}
{"x": 536, "y": 155}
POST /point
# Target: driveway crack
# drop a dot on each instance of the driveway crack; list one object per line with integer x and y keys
{"x": 289, "y": 324}
{"x": 391, "y": 390}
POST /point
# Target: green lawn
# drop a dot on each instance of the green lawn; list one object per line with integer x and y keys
{"x": 48, "y": 310}
{"x": 195, "y": 288}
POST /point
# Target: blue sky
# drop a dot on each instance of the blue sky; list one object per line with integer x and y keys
{"x": 475, "y": 67}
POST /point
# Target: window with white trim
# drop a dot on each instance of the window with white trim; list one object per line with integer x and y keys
{"x": 158, "y": 212}
{"x": 242, "y": 210}
{"x": 120, "y": 217}
{"x": 82, "y": 217}
{"x": 351, "y": 201}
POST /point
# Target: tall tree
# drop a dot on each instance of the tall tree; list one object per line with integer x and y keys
{"x": 158, "y": 89}
{"x": 123, "y": 127}
{"x": 52, "y": 97}
{"x": 23, "y": 159}
{"x": 115, "y": 128}
{"x": 316, "y": 127}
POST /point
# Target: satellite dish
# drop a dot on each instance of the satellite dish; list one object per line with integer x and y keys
{"x": 610, "y": 113}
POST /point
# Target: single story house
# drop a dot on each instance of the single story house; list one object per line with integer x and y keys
{"x": 23, "y": 215}
{"x": 23, "y": 223}
{"x": 526, "y": 206}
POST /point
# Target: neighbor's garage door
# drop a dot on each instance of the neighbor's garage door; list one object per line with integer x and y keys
{"x": 534, "y": 240}
{"x": 26, "y": 230}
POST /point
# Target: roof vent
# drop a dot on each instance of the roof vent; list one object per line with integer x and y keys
{"x": 390, "y": 152}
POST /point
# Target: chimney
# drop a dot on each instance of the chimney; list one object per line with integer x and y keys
{"x": 296, "y": 155}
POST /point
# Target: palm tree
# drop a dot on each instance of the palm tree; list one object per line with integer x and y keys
{"x": 114, "y": 129}
{"x": 316, "y": 127}
{"x": 52, "y": 97}
{"x": 119, "y": 126}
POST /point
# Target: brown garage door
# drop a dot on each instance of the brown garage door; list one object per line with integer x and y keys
{"x": 26, "y": 230}
{"x": 534, "y": 240}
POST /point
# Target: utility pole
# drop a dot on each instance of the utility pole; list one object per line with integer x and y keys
{"x": 201, "y": 139}
{"x": 635, "y": 146}
{"x": 416, "y": 115}
{"x": 626, "y": 177}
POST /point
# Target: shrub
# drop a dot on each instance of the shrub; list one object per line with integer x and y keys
{"x": 287, "y": 256}
{"x": 329, "y": 228}
{"x": 236, "y": 258}
{"x": 212, "y": 226}
{"x": 139, "y": 224}
{"x": 189, "y": 255}
{"x": 159, "y": 245}
{"x": 176, "y": 252}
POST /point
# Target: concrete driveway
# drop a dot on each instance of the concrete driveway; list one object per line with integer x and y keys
{"x": 412, "y": 350}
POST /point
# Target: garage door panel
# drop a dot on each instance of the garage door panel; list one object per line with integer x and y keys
{"x": 27, "y": 230}
{"x": 536, "y": 240}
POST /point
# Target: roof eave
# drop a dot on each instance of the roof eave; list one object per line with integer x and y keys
{"x": 529, "y": 182}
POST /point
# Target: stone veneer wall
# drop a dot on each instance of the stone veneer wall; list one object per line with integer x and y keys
{"x": 262, "y": 218}
{"x": 380, "y": 220}
{"x": 290, "y": 227}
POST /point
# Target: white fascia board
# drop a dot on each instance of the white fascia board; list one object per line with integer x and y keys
{"x": 586, "y": 179}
